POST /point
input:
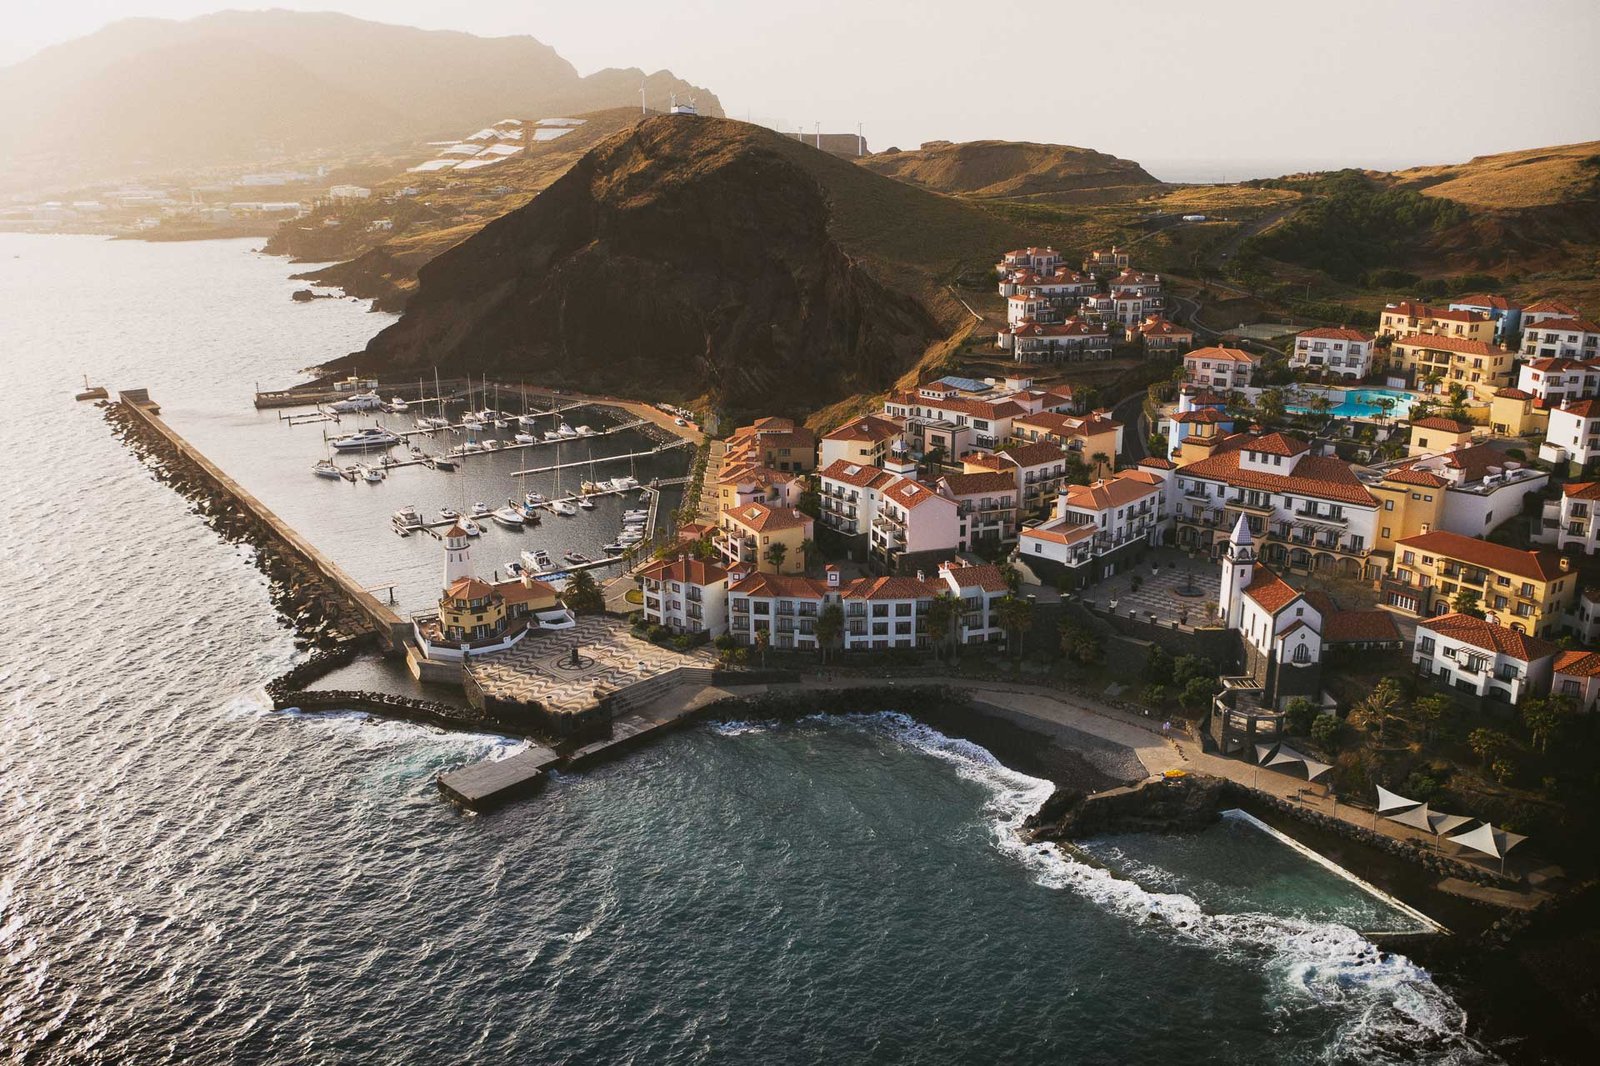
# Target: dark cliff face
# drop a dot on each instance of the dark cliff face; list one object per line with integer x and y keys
{"x": 685, "y": 257}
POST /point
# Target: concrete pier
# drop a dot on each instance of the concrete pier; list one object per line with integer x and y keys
{"x": 485, "y": 785}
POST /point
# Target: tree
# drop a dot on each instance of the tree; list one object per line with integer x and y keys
{"x": 763, "y": 641}
{"x": 1466, "y": 602}
{"x": 941, "y": 615}
{"x": 1012, "y": 576}
{"x": 1157, "y": 445}
{"x": 1158, "y": 665}
{"x": 1015, "y": 616}
{"x": 1543, "y": 717}
{"x": 1100, "y": 460}
{"x": 808, "y": 547}
{"x": 583, "y": 595}
{"x": 1327, "y": 731}
{"x": 1081, "y": 644}
{"x": 1300, "y": 715}
{"x": 1431, "y": 712}
{"x": 776, "y": 552}
{"x": 830, "y": 626}
{"x": 1269, "y": 408}
{"x": 1186, "y": 668}
{"x": 1375, "y": 710}
{"x": 1197, "y": 692}
{"x": 1488, "y": 744}
{"x": 1154, "y": 695}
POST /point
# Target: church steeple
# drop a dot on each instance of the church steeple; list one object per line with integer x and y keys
{"x": 1238, "y": 565}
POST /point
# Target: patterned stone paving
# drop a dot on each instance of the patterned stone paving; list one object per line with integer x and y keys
{"x": 537, "y": 671}
{"x": 1158, "y": 592}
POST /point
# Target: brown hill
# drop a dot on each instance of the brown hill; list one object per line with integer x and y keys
{"x": 148, "y": 96}
{"x": 1536, "y": 177}
{"x": 698, "y": 257}
{"x": 1014, "y": 170}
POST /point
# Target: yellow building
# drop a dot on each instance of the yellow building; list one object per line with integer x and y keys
{"x": 1410, "y": 502}
{"x": 1479, "y": 367}
{"x": 1528, "y": 591}
{"x": 1514, "y": 413}
{"x": 1408, "y": 319}
{"x": 1431, "y": 436}
{"x": 748, "y": 534}
{"x": 1085, "y": 436}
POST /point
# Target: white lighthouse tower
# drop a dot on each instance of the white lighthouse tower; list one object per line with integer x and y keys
{"x": 1238, "y": 564}
{"x": 457, "y": 555}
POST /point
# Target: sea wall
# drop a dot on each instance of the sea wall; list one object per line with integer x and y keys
{"x": 326, "y": 607}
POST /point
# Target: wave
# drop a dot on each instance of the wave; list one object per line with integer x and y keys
{"x": 1389, "y": 1008}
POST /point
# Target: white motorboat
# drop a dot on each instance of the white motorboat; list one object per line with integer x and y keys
{"x": 564, "y": 430}
{"x": 535, "y": 498}
{"x": 416, "y": 452}
{"x": 434, "y": 422}
{"x": 525, "y": 438}
{"x": 585, "y": 431}
{"x": 361, "y": 401}
{"x": 406, "y": 519}
{"x": 373, "y": 438}
{"x": 371, "y": 474}
{"x": 471, "y": 528}
{"x": 529, "y": 513}
{"x": 630, "y": 536}
{"x": 528, "y": 421}
{"x": 490, "y": 444}
{"x": 472, "y": 447}
{"x": 397, "y": 404}
{"x": 586, "y": 503}
{"x": 444, "y": 462}
{"x": 551, "y": 435}
{"x": 576, "y": 557}
{"x": 481, "y": 510}
{"x": 564, "y": 508}
{"x": 471, "y": 424}
{"x": 514, "y": 568}
{"x": 448, "y": 514}
{"x": 537, "y": 561}
{"x": 508, "y": 517}
{"x": 624, "y": 484}
{"x": 641, "y": 515}
{"x": 327, "y": 468}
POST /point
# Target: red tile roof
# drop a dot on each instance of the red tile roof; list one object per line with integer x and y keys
{"x": 1484, "y": 299}
{"x": 1582, "y": 490}
{"x": 761, "y": 518}
{"x": 909, "y": 492}
{"x": 1440, "y": 343}
{"x": 856, "y": 474}
{"x": 1349, "y": 627}
{"x": 1406, "y": 475}
{"x": 1061, "y": 532}
{"x": 1549, "y": 307}
{"x": 1481, "y": 633}
{"x": 892, "y": 588}
{"x": 1513, "y": 394}
{"x": 1269, "y": 591}
{"x": 1448, "y": 425}
{"x": 1158, "y": 463}
{"x": 866, "y": 428}
{"x": 1567, "y": 325}
{"x": 1234, "y": 355}
{"x": 1039, "y": 453}
{"x": 688, "y": 571}
{"x": 1538, "y": 565}
{"x": 1336, "y": 333}
{"x": 1589, "y": 408}
{"x": 1578, "y": 663}
{"x": 986, "y": 577}
{"x": 1323, "y": 477}
{"x": 782, "y": 585}
{"x": 975, "y": 484}
{"x": 1278, "y": 444}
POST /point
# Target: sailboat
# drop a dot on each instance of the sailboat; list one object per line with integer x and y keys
{"x": 557, "y": 504}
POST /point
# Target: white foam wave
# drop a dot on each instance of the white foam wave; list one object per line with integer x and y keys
{"x": 1389, "y": 1008}
{"x": 376, "y": 731}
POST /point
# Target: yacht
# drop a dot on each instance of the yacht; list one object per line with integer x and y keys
{"x": 537, "y": 561}
{"x": 507, "y": 516}
{"x": 641, "y": 515}
{"x": 371, "y": 474}
{"x": 471, "y": 528}
{"x": 564, "y": 430}
{"x": 481, "y": 510}
{"x": 361, "y": 401}
{"x": 327, "y": 468}
{"x": 630, "y": 536}
{"x": 615, "y": 548}
{"x": 490, "y": 444}
{"x": 550, "y": 435}
{"x": 585, "y": 431}
{"x": 434, "y": 422}
{"x": 444, "y": 462}
{"x": 448, "y": 514}
{"x": 370, "y": 439}
{"x": 525, "y": 438}
{"x": 470, "y": 448}
{"x": 576, "y": 557}
{"x": 563, "y": 508}
{"x": 624, "y": 484}
{"x": 514, "y": 568}
{"x": 528, "y": 421}
{"x": 397, "y": 404}
{"x": 535, "y": 498}
{"x": 586, "y": 503}
{"x": 529, "y": 513}
{"x": 406, "y": 519}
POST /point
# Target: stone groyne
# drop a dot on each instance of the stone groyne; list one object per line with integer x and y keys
{"x": 326, "y": 608}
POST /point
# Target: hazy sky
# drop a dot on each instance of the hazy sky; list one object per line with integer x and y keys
{"x": 1192, "y": 90}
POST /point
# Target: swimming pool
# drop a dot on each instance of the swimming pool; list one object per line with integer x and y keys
{"x": 1362, "y": 403}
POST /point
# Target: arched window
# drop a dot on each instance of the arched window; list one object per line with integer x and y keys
{"x": 1302, "y": 653}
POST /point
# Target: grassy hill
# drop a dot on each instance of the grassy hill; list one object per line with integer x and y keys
{"x": 1018, "y": 170}
{"x": 148, "y": 96}
{"x": 702, "y": 259}
{"x": 1538, "y": 177}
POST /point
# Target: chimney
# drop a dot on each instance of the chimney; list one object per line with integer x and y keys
{"x": 1566, "y": 564}
{"x": 833, "y": 575}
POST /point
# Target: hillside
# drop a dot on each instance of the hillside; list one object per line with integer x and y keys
{"x": 1537, "y": 177}
{"x": 1055, "y": 173}
{"x": 147, "y": 96}
{"x": 700, "y": 258}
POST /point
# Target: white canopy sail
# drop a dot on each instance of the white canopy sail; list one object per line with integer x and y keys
{"x": 1392, "y": 801}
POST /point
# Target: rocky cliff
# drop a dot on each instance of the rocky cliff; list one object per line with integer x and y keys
{"x": 697, "y": 257}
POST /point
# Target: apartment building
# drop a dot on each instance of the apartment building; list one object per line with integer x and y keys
{"x": 1561, "y": 338}
{"x": 1575, "y": 675}
{"x": 1476, "y": 365}
{"x": 1158, "y": 334}
{"x": 1506, "y": 313}
{"x": 1557, "y": 379}
{"x": 1040, "y": 469}
{"x": 1085, "y": 436}
{"x": 986, "y": 507}
{"x": 1333, "y": 350}
{"x": 1573, "y": 521}
{"x": 1409, "y": 319}
{"x": 1220, "y": 368}
{"x": 1096, "y": 530}
{"x": 864, "y": 441}
{"x": 1074, "y": 340}
{"x": 775, "y": 443}
{"x": 1469, "y": 491}
{"x": 751, "y": 533}
{"x": 1528, "y": 591}
{"x": 914, "y": 524}
{"x": 685, "y": 595}
{"x": 1470, "y": 654}
{"x": 1573, "y": 433}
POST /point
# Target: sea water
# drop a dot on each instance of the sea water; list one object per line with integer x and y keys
{"x": 187, "y": 876}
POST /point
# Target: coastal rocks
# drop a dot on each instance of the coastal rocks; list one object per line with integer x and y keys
{"x": 305, "y": 296}
{"x": 1158, "y": 805}
{"x": 320, "y": 616}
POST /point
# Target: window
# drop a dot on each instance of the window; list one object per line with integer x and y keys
{"x": 1302, "y": 653}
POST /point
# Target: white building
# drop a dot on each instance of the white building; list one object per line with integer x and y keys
{"x": 1333, "y": 350}
{"x": 686, "y": 595}
{"x": 349, "y": 192}
{"x": 1220, "y": 368}
{"x": 1473, "y": 655}
{"x": 1573, "y": 434}
{"x": 1556, "y": 380}
{"x": 863, "y": 441}
{"x": 913, "y": 520}
{"x": 1576, "y": 675}
{"x": 1039, "y": 260}
{"x": 1574, "y": 519}
{"x": 1094, "y": 529}
{"x": 1564, "y": 338}
{"x": 986, "y": 507}
{"x": 1074, "y": 341}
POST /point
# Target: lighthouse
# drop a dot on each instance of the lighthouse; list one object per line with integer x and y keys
{"x": 457, "y": 555}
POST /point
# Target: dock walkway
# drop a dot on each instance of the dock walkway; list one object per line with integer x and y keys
{"x": 485, "y": 784}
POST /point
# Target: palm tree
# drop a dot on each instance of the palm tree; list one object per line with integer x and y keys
{"x": 830, "y": 624}
{"x": 1100, "y": 461}
{"x": 941, "y": 616}
{"x": 762, "y": 641}
{"x": 1015, "y": 616}
{"x": 776, "y": 552}
{"x": 807, "y": 547}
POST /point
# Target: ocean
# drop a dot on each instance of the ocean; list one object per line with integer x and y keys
{"x": 187, "y": 876}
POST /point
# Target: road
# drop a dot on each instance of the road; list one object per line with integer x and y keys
{"x": 1130, "y": 412}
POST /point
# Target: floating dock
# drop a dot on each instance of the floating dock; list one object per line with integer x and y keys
{"x": 484, "y": 785}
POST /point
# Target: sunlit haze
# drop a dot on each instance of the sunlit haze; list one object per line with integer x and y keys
{"x": 1231, "y": 89}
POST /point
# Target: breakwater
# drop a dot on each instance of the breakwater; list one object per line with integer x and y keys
{"x": 324, "y": 605}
